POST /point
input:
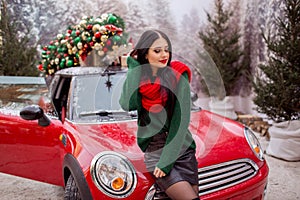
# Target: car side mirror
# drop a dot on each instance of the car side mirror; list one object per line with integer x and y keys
{"x": 34, "y": 112}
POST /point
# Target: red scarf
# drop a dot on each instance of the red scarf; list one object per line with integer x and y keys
{"x": 153, "y": 98}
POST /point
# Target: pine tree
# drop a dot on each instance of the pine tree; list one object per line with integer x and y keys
{"x": 221, "y": 41}
{"x": 188, "y": 44}
{"x": 17, "y": 58}
{"x": 245, "y": 18}
{"x": 188, "y": 35}
{"x": 37, "y": 19}
{"x": 278, "y": 90}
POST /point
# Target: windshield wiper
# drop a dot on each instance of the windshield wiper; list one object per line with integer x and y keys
{"x": 111, "y": 113}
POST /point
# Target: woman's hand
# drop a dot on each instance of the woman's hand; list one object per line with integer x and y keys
{"x": 158, "y": 173}
{"x": 133, "y": 53}
{"x": 123, "y": 59}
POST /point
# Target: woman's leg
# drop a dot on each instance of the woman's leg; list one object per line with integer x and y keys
{"x": 182, "y": 190}
{"x": 196, "y": 189}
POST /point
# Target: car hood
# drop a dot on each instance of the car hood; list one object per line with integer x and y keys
{"x": 217, "y": 138}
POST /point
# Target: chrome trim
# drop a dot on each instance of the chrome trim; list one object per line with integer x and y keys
{"x": 224, "y": 175}
{"x": 151, "y": 192}
{"x": 100, "y": 187}
{"x": 155, "y": 194}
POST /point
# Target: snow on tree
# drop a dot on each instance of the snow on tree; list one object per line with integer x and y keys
{"x": 244, "y": 21}
{"x": 98, "y": 7}
{"x": 188, "y": 44}
{"x": 134, "y": 20}
{"x": 34, "y": 14}
{"x": 160, "y": 17}
{"x": 188, "y": 37}
{"x": 49, "y": 17}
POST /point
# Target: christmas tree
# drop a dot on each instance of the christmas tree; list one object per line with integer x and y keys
{"x": 278, "y": 86}
{"x": 221, "y": 41}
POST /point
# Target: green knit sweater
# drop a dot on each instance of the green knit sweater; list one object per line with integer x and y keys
{"x": 179, "y": 137}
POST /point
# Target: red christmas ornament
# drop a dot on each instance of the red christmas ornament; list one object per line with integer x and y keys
{"x": 77, "y": 32}
{"x": 92, "y": 44}
{"x": 40, "y": 67}
{"x": 83, "y": 56}
{"x": 89, "y": 27}
{"x": 76, "y": 60}
{"x": 97, "y": 35}
{"x": 110, "y": 27}
{"x": 108, "y": 43}
{"x": 113, "y": 28}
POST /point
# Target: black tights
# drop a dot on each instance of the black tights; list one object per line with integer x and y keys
{"x": 183, "y": 190}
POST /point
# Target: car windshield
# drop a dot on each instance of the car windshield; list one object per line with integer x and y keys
{"x": 96, "y": 98}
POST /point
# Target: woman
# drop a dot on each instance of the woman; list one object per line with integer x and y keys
{"x": 159, "y": 90}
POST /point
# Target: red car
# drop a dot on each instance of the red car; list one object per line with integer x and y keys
{"x": 87, "y": 144}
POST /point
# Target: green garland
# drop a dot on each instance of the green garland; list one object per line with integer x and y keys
{"x": 103, "y": 34}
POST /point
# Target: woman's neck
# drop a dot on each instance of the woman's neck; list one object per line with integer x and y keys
{"x": 154, "y": 71}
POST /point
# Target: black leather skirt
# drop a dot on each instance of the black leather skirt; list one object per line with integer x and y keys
{"x": 185, "y": 168}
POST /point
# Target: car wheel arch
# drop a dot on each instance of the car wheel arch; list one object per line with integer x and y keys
{"x": 71, "y": 166}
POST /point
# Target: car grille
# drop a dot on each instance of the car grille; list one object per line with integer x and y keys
{"x": 216, "y": 177}
{"x": 224, "y": 175}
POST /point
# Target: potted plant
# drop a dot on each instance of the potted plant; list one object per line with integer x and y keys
{"x": 278, "y": 88}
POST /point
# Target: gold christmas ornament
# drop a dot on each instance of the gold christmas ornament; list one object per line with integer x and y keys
{"x": 104, "y": 38}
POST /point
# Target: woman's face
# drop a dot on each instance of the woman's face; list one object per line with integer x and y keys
{"x": 158, "y": 54}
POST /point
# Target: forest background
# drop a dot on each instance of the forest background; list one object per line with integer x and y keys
{"x": 39, "y": 21}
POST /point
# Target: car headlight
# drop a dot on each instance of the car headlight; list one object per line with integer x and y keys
{"x": 113, "y": 174}
{"x": 254, "y": 143}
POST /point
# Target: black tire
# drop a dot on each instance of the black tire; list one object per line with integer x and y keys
{"x": 71, "y": 190}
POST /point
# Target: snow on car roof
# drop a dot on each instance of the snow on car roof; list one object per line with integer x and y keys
{"x": 79, "y": 71}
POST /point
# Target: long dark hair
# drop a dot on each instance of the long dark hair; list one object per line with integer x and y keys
{"x": 167, "y": 76}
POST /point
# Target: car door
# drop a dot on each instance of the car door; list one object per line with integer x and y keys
{"x": 29, "y": 150}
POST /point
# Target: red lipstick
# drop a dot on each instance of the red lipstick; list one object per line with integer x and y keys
{"x": 164, "y": 61}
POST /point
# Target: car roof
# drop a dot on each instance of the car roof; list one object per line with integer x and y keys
{"x": 81, "y": 71}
